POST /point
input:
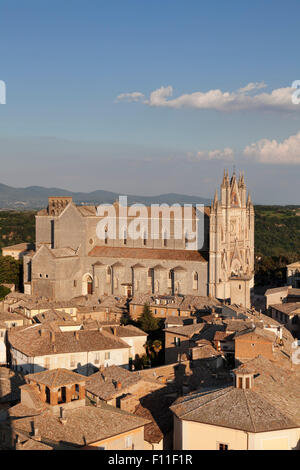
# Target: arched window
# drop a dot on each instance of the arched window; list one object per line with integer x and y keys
{"x": 165, "y": 241}
{"x": 105, "y": 235}
{"x": 61, "y": 395}
{"x": 170, "y": 278}
{"x": 145, "y": 239}
{"x": 149, "y": 277}
{"x": 186, "y": 240}
{"x": 108, "y": 274}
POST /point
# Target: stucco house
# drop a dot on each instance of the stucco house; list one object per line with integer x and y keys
{"x": 260, "y": 411}
{"x": 39, "y": 347}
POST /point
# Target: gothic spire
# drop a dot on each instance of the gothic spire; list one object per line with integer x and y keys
{"x": 216, "y": 199}
{"x": 249, "y": 201}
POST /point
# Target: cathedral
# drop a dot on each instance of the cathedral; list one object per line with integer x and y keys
{"x": 71, "y": 260}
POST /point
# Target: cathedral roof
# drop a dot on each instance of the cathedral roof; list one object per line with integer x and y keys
{"x": 148, "y": 253}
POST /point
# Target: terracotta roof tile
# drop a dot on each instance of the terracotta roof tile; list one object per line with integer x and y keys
{"x": 148, "y": 253}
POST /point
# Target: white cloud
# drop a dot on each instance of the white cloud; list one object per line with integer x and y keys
{"x": 226, "y": 154}
{"x": 131, "y": 97}
{"x": 245, "y": 98}
{"x": 252, "y": 86}
{"x": 272, "y": 151}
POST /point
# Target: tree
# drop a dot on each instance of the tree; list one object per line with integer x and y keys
{"x": 146, "y": 320}
{"x": 157, "y": 346}
{"x": 3, "y": 292}
{"x": 9, "y": 270}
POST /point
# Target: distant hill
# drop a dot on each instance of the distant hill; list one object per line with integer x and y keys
{"x": 36, "y": 197}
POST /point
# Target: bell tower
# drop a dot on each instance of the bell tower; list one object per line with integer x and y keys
{"x": 231, "y": 250}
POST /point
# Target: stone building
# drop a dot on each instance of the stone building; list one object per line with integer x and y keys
{"x": 71, "y": 260}
{"x": 52, "y": 414}
{"x": 119, "y": 387}
{"x": 293, "y": 274}
{"x": 17, "y": 251}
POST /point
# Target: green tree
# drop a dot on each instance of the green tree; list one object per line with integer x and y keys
{"x": 146, "y": 320}
{"x": 9, "y": 270}
{"x": 3, "y": 292}
{"x": 157, "y": 346}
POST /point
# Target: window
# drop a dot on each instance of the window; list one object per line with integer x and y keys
{"x": 170, "y": 278}
{"x": 107, "y": 355}
{"x": 145, "y": 239}
{"x": 125, "y": 237}
{"x": 177, "y": 342}
{"x": 128, "y": 442}
{"x": 108, "y": 274}
{"x": 149, "y": 277}
{"x": 195, "y": 281}
{"x": 165, "y": 239}
{"x": 72, "y": 361}
{"x": 75, "y": 283}
{"x": 97, "y": 358}
{"x": 105, "y": 236}
{"x": 223, "y": 446}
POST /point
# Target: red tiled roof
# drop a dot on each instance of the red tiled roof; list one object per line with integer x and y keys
{"x": 148, "y": 253}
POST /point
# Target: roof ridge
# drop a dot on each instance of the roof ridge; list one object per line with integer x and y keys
{"x": 55, "y": 377}
{"x": 230, "y": 388}
{"x": 249, "y": 410}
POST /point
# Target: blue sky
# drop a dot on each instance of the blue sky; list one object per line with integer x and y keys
{"x": 65, "y": 63}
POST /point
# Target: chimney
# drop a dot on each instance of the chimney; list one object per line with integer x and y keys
{"x": 62, "y": 418}
{"x": 119, "y": 385}
{"x": 35, "y": 432}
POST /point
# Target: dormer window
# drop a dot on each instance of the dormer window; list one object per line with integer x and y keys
{"x": 244, "y": 379}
